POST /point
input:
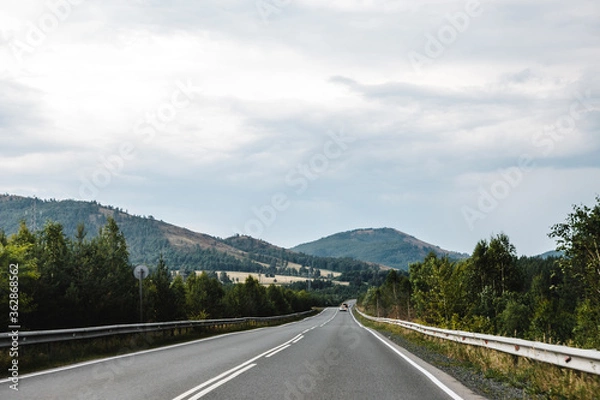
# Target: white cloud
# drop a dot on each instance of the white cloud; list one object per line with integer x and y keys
{"x": 266, "y": 92}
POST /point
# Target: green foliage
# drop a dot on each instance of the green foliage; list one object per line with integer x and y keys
{"x": 438, "y": 290}
{"x": 80, "y": 282}
{"x": 579, "y": 239}
{"x": 146, "y": 237}
{"x": 278, "y": 259}
{"x": 553, "y": 299}
{"x": 19, "y": 269}
{"x": 204, "y": 297}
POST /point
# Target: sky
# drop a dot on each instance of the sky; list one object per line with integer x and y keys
{"x": 291, "y": 120}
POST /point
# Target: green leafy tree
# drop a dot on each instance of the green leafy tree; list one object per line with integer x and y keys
{"x": 178, "y": 291}
{"x": 438, "y": 289}
{"x": 491, "y": 272}
{"x": 19, "y": 269}
{"x": 277, "y": 298}
{"x": 204, "y": 296}
{"x": 579, "y": 239}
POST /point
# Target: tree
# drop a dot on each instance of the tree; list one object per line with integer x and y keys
{"x": 55, "y": 278}
{"x": 178, "y": 291}
{"x": 277, "y": 298}
{"x": 438, "y": 289}
{"x": 204, "y": 296}
{"x": 579, "y": 239}
{"x": 113, "y": 288}
{"x": 19, "y": 267}
{"x": 492, "y": 271}
{"x": 164, "y": 302}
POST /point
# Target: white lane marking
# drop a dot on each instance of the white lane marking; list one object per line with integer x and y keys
{"x": 299, "y": 339}
{"x": 221, "y": 382}
{"x": 428, "y": 374}
{"x": 87, "y": 363}
{"x": 306, "y": 330}
{"x": 329, "y": 320}
{"x": 242, "y": 365}
{"x": 137, "y": 353}
{"x": 210, "y": 381}
{"x": 277, "y": 351}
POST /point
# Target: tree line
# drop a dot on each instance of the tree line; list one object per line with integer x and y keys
{"x": 64, "y": 282}
{"x": 556, "y": 299}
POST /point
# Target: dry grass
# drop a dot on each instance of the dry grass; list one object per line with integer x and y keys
{"x": 537, "y": 378}
{"x": 277, "y": 280}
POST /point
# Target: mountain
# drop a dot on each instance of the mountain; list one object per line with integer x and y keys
{"x": 551, "y": 253}
{"x": 385, "y": 246}
{"x": 279, "y": 257}
{"x": 181, "y": 248}
{"x": 146, "y": 237}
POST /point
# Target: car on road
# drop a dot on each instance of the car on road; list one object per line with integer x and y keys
{"x": 344, "y": 307}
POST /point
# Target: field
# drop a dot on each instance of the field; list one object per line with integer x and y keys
{"x": 277, "y": 280}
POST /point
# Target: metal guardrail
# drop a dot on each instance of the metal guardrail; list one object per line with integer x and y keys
{"x": 563, "y": 356}
{"x": 59, "y": 335}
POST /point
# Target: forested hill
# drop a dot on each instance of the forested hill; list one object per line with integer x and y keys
{"x": 146, "y": 237}
{"x": 270, "y": 254}
{"x": 181, "y": 248}
{"x": 385, "y": 246}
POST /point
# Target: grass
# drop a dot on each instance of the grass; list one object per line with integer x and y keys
{"x": 537, "y": 379}
{"x": 37, "y": 357}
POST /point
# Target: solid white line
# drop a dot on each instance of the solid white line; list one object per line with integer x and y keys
{"x": 299, "y": 339}
{"x": 428, "y": 374}
{"x": 244, "y": 364}
{"x": 137, "y": 353}
{"x": 221, "y": 382}
{"x": 101, "y": 360}
{"x": 277, "y": 351}
{"x": 208, "y": 382}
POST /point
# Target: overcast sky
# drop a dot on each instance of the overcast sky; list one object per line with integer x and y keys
{"x": 291, "y": 120}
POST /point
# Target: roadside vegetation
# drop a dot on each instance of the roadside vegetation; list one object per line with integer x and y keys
{"x": 493, "y": 374}
{"x": 553, "y": 300}
{"x": 67, "y": 283}
{"x": 37, "y": 357}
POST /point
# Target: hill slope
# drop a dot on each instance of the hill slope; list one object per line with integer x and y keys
{"x": 146, "y": 237}
{"x": 384, "y": 246}
{"x": 276, "y": 256}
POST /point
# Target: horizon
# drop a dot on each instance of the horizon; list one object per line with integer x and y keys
{"x": 152, "y": 216}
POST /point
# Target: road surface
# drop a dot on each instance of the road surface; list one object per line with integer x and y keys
{"x": 328, "y": 356}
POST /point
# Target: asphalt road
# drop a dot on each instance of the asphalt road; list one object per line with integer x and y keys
{"x": 329, "y": 356}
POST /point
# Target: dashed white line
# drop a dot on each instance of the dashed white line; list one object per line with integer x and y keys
{"x": 329, "y": 320}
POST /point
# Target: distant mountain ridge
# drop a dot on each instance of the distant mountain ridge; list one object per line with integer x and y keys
{"x": 146, "y": 237}
{"x": 385, "y": 246}
{"x": 182, "y": 248}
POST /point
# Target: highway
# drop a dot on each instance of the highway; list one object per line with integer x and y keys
{"x": 328, "y": 356}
